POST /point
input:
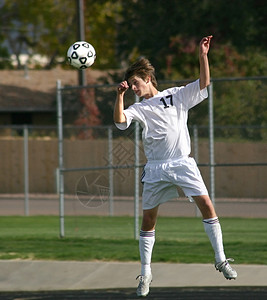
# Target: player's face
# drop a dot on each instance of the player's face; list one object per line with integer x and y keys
{"x": 139, "y": 86}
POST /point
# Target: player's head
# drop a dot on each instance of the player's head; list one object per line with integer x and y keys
{"x": 142, "y": 68}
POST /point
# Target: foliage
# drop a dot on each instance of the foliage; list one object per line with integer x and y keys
{"x": 50, "y": 27}
{"x": 101, "y": 19}
{"x": 236, "y": 103}
{"x": 169, "y": 34}
{"x": 5, "y": 62}
{"x": 166, "y": 32}
{"x": 123, "y": 30}
{"x": 38, "y": 27}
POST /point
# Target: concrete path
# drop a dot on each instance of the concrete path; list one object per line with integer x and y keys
{"x": 21, "y": 275}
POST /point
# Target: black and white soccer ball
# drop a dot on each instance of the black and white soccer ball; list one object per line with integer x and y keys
{"x": 81, "y": 55}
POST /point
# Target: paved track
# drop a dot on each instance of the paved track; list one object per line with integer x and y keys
{"x": 30, "y": 280}
{"x": 247, "y": 293}
{"x": 46, "y": 204}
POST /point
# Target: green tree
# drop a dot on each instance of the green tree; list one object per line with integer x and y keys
{"x": 38, "y": 27}
{"x": 101, "y": 30}
{"x": 168, "y": 32}
{"x": 50, "y": 27}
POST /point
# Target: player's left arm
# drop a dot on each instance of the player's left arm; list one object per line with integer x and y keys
{"x": 204, "y": 79}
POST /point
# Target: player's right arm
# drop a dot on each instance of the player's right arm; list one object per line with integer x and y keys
{"x": 118, "y": 114}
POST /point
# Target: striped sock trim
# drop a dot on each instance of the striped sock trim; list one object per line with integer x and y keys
{"x": 211, "y": 221}
{"x": 147, "y": 233}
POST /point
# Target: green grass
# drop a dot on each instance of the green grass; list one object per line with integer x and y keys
{"x": 112, "y": 238}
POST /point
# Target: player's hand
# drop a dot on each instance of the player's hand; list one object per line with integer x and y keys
{"x": 122, "y": 87}
{"x": 205, "y": 45}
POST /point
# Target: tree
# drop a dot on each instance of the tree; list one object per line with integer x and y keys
{"x": 166, "y": 32}
{"x": 50, "y": 27}
{"x": 37, "y": 27}
{"x": 163, "y": 32}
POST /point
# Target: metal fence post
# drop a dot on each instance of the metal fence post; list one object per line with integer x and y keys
{"x": 211, "y": 144}
{"x": 26, "y": 169}
{"x": 136, "y": 178}
{"x": 60, "y": 159}
{"x": 110, "y": 171}
{"x": 195, "y": 134}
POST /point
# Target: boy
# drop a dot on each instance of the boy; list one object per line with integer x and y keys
{"x": 163, "y": 117}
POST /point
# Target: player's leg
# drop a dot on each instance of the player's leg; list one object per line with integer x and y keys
{"x": 147, "y": 239}
{"x": 155, "y": 192}
{"x": 211, "y": 225}
{"x": 213, "y": 229}
{"x": 188, "y": 177}
{"x": 146, "y": 243}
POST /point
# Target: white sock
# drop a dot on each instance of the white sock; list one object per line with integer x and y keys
{"x": 146, "y": 243}
{"x": 213, "y": 229}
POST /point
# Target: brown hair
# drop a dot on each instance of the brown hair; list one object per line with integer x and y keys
{"x": 143, "y": 69}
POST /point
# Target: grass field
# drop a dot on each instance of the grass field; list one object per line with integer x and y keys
{"x": 112, "y": 238}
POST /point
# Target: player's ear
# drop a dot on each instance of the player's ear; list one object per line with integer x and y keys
{"x": 148, "y": 79}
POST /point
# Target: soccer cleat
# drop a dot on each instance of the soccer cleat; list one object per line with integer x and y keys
{"x": 226, "y": 269}
{"x": 143, "y": 287}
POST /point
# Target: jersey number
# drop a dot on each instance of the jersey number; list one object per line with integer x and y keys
{"x": 169, "y": 97}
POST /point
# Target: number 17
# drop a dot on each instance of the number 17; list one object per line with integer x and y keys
{"x": 164, "y": 101}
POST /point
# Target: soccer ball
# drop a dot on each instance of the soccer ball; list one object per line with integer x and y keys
{"x": 81, "y": 55}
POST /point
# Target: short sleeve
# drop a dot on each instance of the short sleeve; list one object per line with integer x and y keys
{"x": 192, "y": 95}
{"x": 131, "y": 113}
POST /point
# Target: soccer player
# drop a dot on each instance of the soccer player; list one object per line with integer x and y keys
{"x": 163, "y": 117}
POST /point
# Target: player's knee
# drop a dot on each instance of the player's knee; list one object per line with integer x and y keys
{"x": 206, "y": 206}
{"x": 208, "y": 211}
{"x": 148, "y": 223}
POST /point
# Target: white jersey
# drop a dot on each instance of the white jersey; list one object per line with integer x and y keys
{"x": 164, "y": 121}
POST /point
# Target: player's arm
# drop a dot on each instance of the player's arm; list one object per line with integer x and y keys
{"x": 118, "y": 114}
{"x": 204, "y": 79}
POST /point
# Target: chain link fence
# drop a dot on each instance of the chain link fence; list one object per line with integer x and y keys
{"x": 96, "y": 168}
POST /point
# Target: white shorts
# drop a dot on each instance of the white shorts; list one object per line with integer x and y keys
{"x": 161, "y": 179}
